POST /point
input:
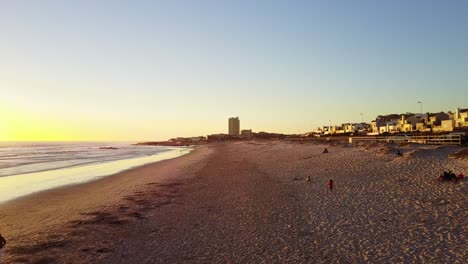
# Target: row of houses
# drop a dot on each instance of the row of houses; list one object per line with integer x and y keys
{"x": 409, "y": 122}
{"x": 343, "y": 129}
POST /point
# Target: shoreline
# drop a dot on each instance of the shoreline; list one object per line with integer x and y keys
{"x": 28, "y": 218}
{"x": 44, "y": 180}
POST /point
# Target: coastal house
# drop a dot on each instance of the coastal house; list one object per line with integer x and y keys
{"x": 349, "y": 128}
{"x": 384, "y": 124}
{"x": 423, "y": 127}
{"x": 423, "y": 124}
{"x": 339, "y": 130}
{"x": 446, "y": 125}
{"x": 431, "y": 122}
{"x": 346, "y": 128}
{"x": 434, "y": 122}
{"x": 392, "y": 126}
{"x": 451, "y": 121}
{"x": 361, "y": 127}
{"x": 437, "y": 118}
{"x": 353, "y": 127}
{"x": 375, "y": 127}
{"x": 327, "y": 130}
{"x": 246, "y": 133}
{"x": 389, "y": 127}
{"x": 456, "y": 120}
{"x": 408, "y": 122}
{"x": 460, "y": 118}
{"x": 331, "y": 130}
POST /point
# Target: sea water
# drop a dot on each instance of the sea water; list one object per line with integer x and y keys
{"x": 26, "y": 168}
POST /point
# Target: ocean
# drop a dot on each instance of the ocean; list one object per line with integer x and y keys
{"x": 27, "y": 167}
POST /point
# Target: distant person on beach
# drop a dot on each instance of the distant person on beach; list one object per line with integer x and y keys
{"x": 448, "y": 176}
{"x": 330, "y": 185}
{"x": 399, "y": 153}
{"x": 2, "y": 244}
{"x": 325, "y": 151}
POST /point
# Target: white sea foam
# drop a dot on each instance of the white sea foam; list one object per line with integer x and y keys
{"x": 28, "y": 168}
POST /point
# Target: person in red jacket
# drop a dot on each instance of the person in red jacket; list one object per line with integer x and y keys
{"x": 330, "y": 185}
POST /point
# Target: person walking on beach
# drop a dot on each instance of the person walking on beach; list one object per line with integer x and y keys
{"x": 330, "y": 185}
{"x": 2, "y": 244}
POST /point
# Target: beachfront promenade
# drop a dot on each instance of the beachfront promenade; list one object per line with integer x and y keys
{"x": 249, "y": 202}
{"x": 449, "y": 139}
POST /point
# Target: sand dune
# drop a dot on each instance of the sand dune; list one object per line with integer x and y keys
{"x": 249, "y": 202}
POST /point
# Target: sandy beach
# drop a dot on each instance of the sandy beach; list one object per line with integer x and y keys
{"x": 249, "y": 202}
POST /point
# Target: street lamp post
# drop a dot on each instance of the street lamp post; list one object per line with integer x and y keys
{"x": 420, "y": 107}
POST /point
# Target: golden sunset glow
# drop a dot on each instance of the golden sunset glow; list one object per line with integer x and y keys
{"x": 152, "y": 77}
{"x": 17, "y": 125}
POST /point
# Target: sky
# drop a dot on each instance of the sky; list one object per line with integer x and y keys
{"x": 151, "y": 70}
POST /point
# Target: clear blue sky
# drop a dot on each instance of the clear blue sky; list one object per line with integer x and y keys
{"x": 146, "y": 70}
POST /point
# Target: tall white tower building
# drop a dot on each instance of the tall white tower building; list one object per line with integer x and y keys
{"x": 234, "y": 126}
